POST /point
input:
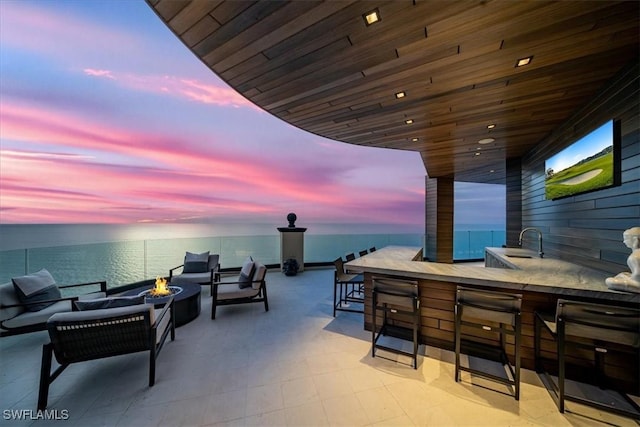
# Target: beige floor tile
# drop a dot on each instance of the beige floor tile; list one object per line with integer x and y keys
{"x": 402, "y": 421}
{"x": 379, "y": 404}
{"x": 263, "y": 399}
{"x": 224, "y": 407}
{"x": 274, "y": 418}
{"x": 362, "y": 378}
{"x": 309, "y": 414}
{"x": 345, "y": 411}
{"x": 332, "y": 384}
{"x": 298, "y": 392}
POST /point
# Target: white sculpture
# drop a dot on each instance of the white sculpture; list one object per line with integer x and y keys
{"x": 629, "y": 282}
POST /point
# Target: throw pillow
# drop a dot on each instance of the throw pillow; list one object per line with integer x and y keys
{"x": 195, "y": 263}
{"x": 246, "y": 273}
{"x": 100, "y": 303}
{"x": 36, "y": 287}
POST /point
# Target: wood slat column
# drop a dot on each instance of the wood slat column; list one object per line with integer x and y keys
{"x": 439, "y": 220}
{"x": 514, "y": 200}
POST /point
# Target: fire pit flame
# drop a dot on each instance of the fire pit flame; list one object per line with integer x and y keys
{"x": 161, "y": 289}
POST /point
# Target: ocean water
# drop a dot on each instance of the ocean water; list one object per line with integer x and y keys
{"x": 121, "y": 254}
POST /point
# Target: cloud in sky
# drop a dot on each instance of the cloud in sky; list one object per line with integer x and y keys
{"x": 105, "y": 117}
{"x": 186, "y": 156}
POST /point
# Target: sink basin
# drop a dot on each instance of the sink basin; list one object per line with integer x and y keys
{"x": 518, "y": 256}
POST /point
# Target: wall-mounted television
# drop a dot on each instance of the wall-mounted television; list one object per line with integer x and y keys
{"x": 587, "y": 164}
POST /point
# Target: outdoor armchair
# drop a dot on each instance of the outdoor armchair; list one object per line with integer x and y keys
{"x": 250, "y": 286}
{"x": 201, "y": 268}
{"x": 95, "y": 334}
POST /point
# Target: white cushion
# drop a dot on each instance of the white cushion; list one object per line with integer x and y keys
{"x": 258, "y": 276}
{"x": 230, "y": 292}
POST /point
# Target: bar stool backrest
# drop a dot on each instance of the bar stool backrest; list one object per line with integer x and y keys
{"x": 601, "y": 322}
{"x": 489, "y": 305}
{"x": 395, "y": 291}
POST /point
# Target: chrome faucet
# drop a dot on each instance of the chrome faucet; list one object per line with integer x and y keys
{"x": 539, "y": 239}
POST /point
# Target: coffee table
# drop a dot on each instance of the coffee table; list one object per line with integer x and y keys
{"x": 186, "y": 303}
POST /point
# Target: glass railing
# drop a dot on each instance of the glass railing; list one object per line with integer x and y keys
{"x": 126, "y": 262}
{"x": 469, "y": 245}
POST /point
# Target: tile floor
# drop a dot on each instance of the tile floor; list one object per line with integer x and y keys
{"x": 295, "y": 365}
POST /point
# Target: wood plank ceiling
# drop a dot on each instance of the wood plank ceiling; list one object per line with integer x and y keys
{"x": 318, "y": 66}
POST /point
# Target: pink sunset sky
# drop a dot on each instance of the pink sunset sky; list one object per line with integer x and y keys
{"x": 106, "y": 117}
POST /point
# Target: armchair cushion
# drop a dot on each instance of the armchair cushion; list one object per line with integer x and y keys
{"x": 8, "y": 296}
{"x": 195, "y": 263}
{"x": 100, "y": 303}
{"x": 246, "y": 273}
{"x": 39, "y": 286}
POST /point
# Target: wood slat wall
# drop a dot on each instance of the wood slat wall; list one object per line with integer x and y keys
{"x": 587, "y": 229}
{"x": 439, "y": 220}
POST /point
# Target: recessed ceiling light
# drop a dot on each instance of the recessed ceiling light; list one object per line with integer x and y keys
{"x": 401, "y": 95}
{"x": 371, "y": 17}
{"x": 486, "y": 141}
{"x": 478, "y": 153}
{"x": 408, "y": 121}
{"x": 524, "y": 61}
{"x": 415, "y": 139}
{"x": 491, "y": 171}
{"x": 491, "y": 126}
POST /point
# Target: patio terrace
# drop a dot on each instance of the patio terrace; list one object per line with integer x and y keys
{"x": 295, "y": 365}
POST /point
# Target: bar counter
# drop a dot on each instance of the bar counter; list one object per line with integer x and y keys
{"x": 541, "y": 282}
{"x": 523, "y": 271}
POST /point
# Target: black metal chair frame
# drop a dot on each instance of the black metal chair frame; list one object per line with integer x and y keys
{"x": 556, "y": 326}
{"x": 260, "y": 296}
{"x": 514, "y": 329}
{"x": 347, "y": 288}
{"x": 397, "y": 296}
{"x": 82, "y": 340}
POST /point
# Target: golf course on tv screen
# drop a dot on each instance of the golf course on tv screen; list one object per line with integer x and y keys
{"x": 586, "y": 165}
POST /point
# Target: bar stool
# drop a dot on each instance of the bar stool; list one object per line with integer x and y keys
{"x": 492, "y": 312}
{"x": 602, "y": 329}
{"x": 401, "y": 297}
{"x": 343, "y": 289}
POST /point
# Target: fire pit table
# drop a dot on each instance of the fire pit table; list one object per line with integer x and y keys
{"x": 186, "y": 297}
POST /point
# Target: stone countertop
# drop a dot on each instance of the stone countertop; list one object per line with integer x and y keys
{"x": 546, "y": 275}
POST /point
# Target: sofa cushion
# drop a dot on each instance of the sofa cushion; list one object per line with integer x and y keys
{"x": 246, "y": 273}
{"x": 100, "y": 303}
{"x": 8, "y": 296}
{"x": 39, "y": 286}
{"x": 196, "y": 263}
{"x": 30, "y": 318}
